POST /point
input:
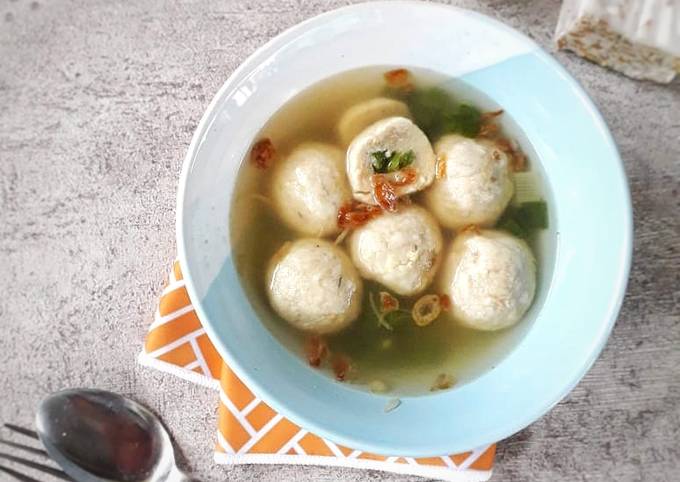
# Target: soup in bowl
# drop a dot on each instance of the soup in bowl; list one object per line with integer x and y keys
{"x": 408, "y": 251}
{"x": 394, "y": 237}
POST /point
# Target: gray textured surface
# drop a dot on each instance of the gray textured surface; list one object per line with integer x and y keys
{"x": 98, "y": 101}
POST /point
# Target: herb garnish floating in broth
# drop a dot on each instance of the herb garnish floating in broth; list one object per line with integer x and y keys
{"x": 389, "y": 229}
{"x": 385, "y": 161}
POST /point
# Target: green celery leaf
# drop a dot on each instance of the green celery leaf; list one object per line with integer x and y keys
{"x": 437, "y": 113}
{"x": 523, "y": 219}
{"x": 469, "y": 120}
{"x": 511, "y": 225}
{"x": 429, "y": 108}
{"x": 533, "y": 215}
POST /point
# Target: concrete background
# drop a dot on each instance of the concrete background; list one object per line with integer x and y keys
{"x": 98, "y": 102}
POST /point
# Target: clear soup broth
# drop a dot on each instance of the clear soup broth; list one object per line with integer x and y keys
{"x": 407, "y": 360}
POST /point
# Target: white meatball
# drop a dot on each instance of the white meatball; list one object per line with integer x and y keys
{"x": 313, "y": 285}
{"x": 394, "y": 134}
{"x": 361, "y": 115}
{"x": 477, "y": 185}
{"x": 400, "y": 250}
{"x": 309, "y": 186}
{"x": 490, "y": 277}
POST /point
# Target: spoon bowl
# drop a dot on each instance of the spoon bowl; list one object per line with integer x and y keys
{"x": 100, "y": 436}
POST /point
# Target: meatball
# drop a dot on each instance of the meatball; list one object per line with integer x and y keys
{"x": 477, "y": 185}
{"x": 490, "y": 277}
{"x": 400, "y": 250}
{"x": 312, "y": 284}
{"x": 308, "y": 188}
{"x": 394, "y": 134}
{"x": 361, "y": 115}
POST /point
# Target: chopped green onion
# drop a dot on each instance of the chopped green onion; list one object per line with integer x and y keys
{"x": 526, "y": 187}
{"x": 382, "y": 163}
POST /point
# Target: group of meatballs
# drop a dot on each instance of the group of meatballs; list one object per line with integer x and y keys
{"x": 316, "y": 282}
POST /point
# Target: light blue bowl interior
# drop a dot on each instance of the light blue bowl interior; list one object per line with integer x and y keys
{"x": 590, "y": 212}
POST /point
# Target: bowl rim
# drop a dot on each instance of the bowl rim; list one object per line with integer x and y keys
{"x": 616, "y": 298}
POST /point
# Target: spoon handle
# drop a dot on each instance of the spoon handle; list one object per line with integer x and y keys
{"x": 177, "y": 475}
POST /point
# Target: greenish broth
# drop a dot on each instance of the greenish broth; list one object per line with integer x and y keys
{"x": 408, "y": 358}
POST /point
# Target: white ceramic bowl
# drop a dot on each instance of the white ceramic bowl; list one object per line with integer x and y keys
{"x": 590, "y": 218}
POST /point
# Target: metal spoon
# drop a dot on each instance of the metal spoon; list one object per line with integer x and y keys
{"x": 99, "y": 436}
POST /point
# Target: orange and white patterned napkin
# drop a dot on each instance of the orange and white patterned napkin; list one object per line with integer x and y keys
{"x": 249, "y": 431}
